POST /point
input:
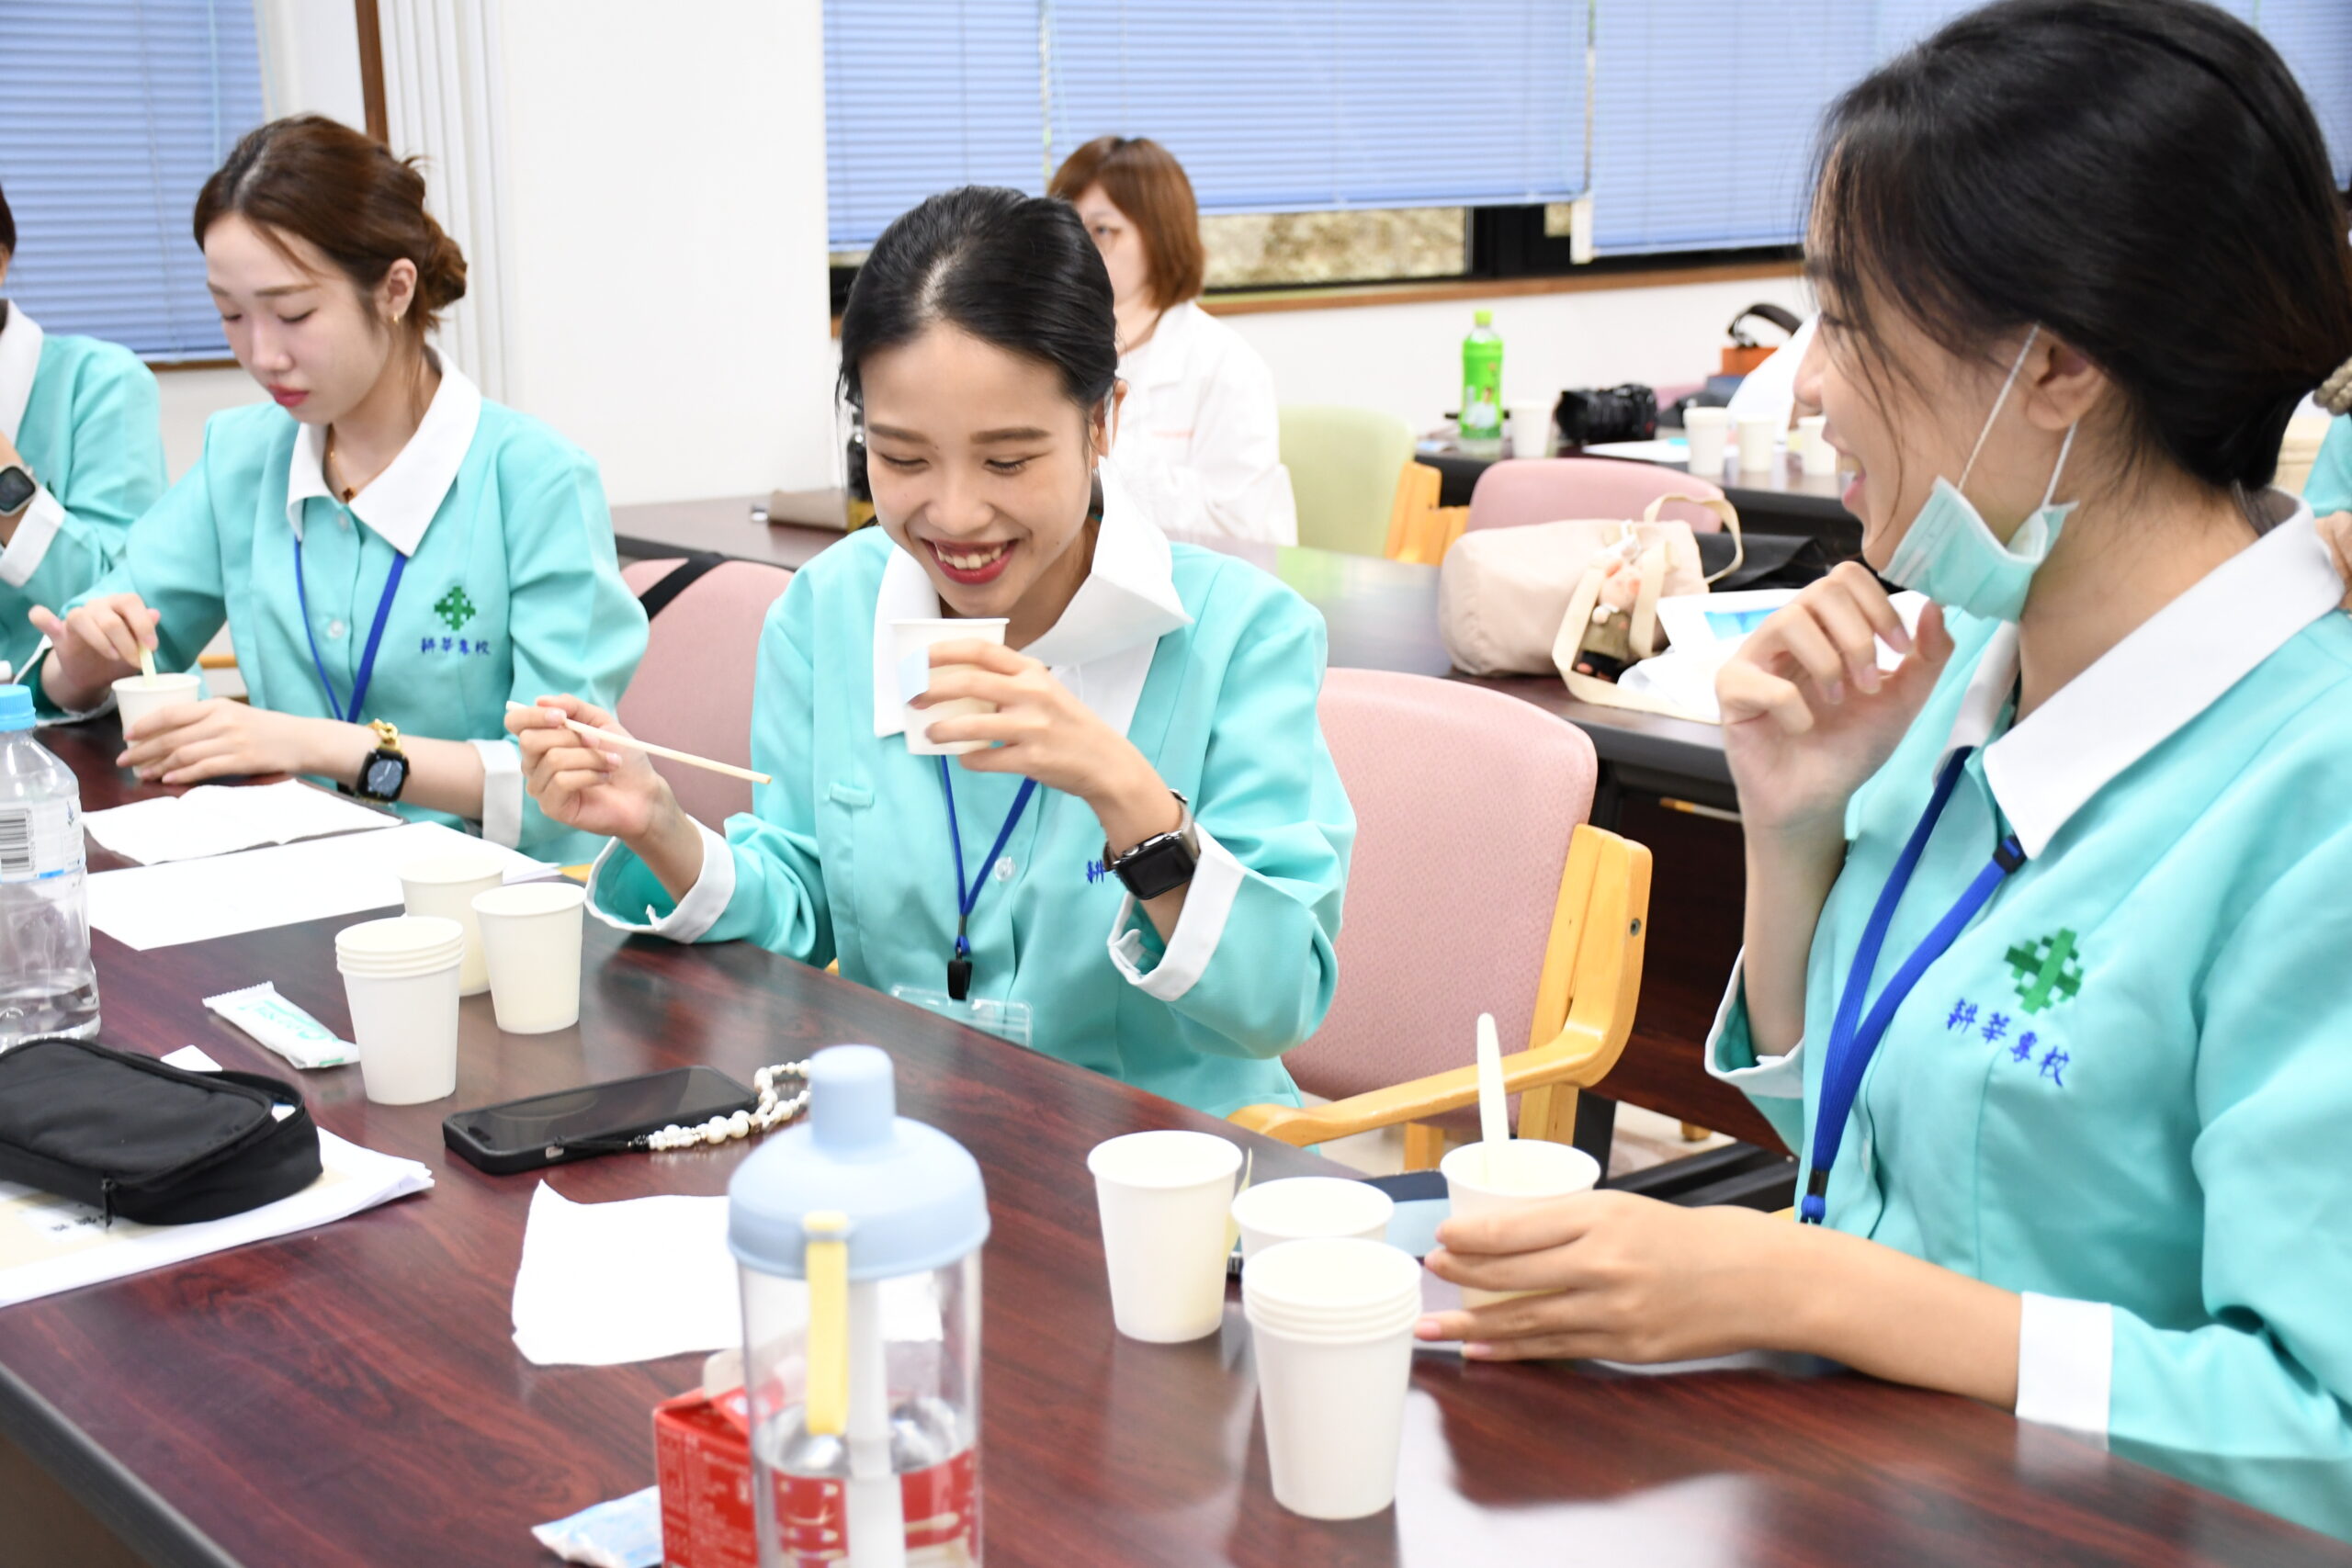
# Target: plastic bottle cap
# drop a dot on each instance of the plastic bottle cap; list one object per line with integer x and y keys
{"x": 1483, "y": 318}
{"x": 911, "y": 1195}
{"x": 16, "y": 708}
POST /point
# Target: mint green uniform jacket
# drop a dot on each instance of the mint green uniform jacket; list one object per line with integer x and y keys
{"x": 512, "y": 589}
{"x": 91, "y": 431}
{"x": 2126, "y": 1089}
{"x": 2328, "y": 487}
{"x": 846, "y": 855}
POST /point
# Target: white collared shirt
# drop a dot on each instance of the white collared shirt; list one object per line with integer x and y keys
{"x": 20, "y": 344}
{"x": 1199, "y": 433}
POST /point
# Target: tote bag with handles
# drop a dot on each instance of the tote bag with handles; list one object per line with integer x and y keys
{"x": 1520, "y": 601}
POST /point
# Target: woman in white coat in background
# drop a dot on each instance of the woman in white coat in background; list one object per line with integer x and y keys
{"x": 1199, "y": 440}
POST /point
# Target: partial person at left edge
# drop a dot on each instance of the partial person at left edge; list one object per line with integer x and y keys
{"x": 81, "y": 457}
{"x": 395, "y": 556}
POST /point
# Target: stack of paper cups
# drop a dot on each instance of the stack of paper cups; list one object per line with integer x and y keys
{"x": 530, "y": 938}
{"x": 1332, "y": 1322}
{"x": 1164, "y": 1199}
{"x": 1707, "y": 430}
{"x": 444, "y": 887}
{"x": 401, "y": 976}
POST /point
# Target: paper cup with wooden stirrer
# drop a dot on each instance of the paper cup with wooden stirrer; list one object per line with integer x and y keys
{"x": 1499, "y": 1172}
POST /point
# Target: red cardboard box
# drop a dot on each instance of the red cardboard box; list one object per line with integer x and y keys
{"x": 701, "y": 1453}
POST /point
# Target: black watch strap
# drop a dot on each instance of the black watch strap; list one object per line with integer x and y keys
{"x": 1162, "y": 862}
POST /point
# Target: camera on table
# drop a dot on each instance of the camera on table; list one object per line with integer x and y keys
{"x": 1610, "y": 413}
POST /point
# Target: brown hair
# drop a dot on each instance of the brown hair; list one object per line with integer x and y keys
{"x": 344, "y": 192}
{"x": 1144, "y": 180}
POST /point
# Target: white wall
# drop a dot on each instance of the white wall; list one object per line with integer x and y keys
{"x": 1406, "y": 359}
{"x": 667, "y": 275}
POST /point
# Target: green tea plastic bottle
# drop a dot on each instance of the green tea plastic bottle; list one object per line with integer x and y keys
{"x": 1482, "y": 380}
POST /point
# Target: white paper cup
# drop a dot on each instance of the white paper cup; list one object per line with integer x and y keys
{"x": 1331, "y": 1321}
{"x": 444, "y": 887}
{"x": 1820, "y": 458}
{"x": 1707, "y": 430}
{"x": 1531, "y": 428}
{"x": 135, "y": 696}
{"x": 1756, "y": 434}
{"x": 1300, "y": 1208}
{"x": 530, "y": 940}
{"x": 400, "y": 979}
{"x": 910, "y": 639}
{"x": 1164, "y": 1199}
{"x": 1484, "y": 1179}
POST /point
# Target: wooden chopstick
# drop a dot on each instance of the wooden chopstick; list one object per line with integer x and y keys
{"x": 631, "y": 741}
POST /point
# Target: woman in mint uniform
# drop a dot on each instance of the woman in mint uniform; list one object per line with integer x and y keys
{"x": 1142, "y": 870}
{"x": 81, "y": 457}
{"x": 2048, "y": 976}
{"x": 396, "y": 557}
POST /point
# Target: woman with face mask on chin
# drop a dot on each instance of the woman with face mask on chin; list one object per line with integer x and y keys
{"x": 2045, "y": 973}
{"x": 395, "y": 557}
{"x": 1140, "y": 868}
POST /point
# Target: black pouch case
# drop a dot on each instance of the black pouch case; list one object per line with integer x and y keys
{"x": 131, "y": 1137}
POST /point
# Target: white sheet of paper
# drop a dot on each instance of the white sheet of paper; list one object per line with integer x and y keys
{"x": 196, "y": 900}
{"x": 47, "y": 1243}
{"x": 219, "y": 820}
{"x": 604, "y": 1283}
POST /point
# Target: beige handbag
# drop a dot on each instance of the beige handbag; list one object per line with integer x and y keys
{"x": 1522, "y": 600}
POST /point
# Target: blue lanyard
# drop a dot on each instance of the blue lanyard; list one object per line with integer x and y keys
{"x": 374, "y": 635}
{"x": 967, "y": 892}
{"x": 1852, "y": 1047}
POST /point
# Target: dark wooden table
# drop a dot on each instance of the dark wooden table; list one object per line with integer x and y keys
{"x": 1782, "y": 498}
{"x": 352, "y": 1395}
{"x": 1382, "y": 614}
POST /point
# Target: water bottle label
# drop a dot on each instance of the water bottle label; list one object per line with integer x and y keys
{"x": 940, "y": 1505}
{"x": 39, "y": 840}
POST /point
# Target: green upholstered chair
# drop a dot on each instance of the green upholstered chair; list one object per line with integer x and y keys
{"x": 1344, "y": 466}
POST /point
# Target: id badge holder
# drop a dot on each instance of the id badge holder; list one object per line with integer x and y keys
{"x": 1006, "y": 1021}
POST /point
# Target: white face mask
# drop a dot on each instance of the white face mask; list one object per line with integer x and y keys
{"x": 1953, "y": 557}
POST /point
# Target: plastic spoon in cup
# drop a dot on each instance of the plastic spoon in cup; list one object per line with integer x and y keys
{"x": 1494, "y": 1125}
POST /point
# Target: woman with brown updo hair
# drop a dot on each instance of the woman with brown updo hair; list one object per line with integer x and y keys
{"x": 394, "y": 556}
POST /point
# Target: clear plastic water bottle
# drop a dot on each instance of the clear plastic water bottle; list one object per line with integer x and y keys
{"x": 47, "y": 982}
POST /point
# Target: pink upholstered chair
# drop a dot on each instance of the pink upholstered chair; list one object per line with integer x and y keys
{"x": 1477, "y": 885}
{"x": 693, "y": 690}
{"x": 1545, "y": 490}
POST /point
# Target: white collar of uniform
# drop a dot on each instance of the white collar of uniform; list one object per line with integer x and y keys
{"x": 399, "y": 502}
{"x": 2170, "y": 668}
{"x": 1101, "y": 648}
{"x": 1160, "y": 361}
{"x": 19, "y": 357}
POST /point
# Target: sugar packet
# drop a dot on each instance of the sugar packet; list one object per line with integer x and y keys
{"x": 623, "y": 1533}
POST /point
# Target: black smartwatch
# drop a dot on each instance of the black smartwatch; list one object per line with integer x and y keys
{"x": 1162, "y": 862}
{"x": 385, "y": 772}
{"x": 17, "y": 489}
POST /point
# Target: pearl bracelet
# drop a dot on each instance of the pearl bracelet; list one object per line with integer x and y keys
{"x": 772, "y": 1110}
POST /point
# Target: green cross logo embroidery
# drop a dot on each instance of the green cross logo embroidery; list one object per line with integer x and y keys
{"x": 454, "y": 608}
{"x": 2045, "y": 971}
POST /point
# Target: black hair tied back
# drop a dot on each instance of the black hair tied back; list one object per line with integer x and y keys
{"x": 2141, "y": 177}
{"x": 1019, "y": 272}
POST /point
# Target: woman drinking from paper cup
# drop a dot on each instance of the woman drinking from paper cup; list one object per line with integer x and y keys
{"x": 394, "y": 555}
{"x": 1134, "y": 857}
{"x": 2045, "y": 976}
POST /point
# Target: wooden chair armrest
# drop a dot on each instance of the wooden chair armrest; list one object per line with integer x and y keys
{"x": 1576, "y": 1055}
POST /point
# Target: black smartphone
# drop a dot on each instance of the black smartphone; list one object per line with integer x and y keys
{"x": 526, "y": 1135}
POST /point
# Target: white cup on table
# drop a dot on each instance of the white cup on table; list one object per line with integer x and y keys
{"x": 1707, "y": 431}
{"x": 1165, "y": 1200}
{"x": 1757, "y": 434}
{"x": 530, "y": 938}
{"x": 912, "y": 642}
{"x": 1331, "y": 1325}
{"x": 400, "y": 979}
{"x": 1484, "y": 1178}
{"x": 1531, "y": 427}
{"x": 1303, "y": 1208}
{"x": 444, "y": 887}
{"x": 1820, "y": 458}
